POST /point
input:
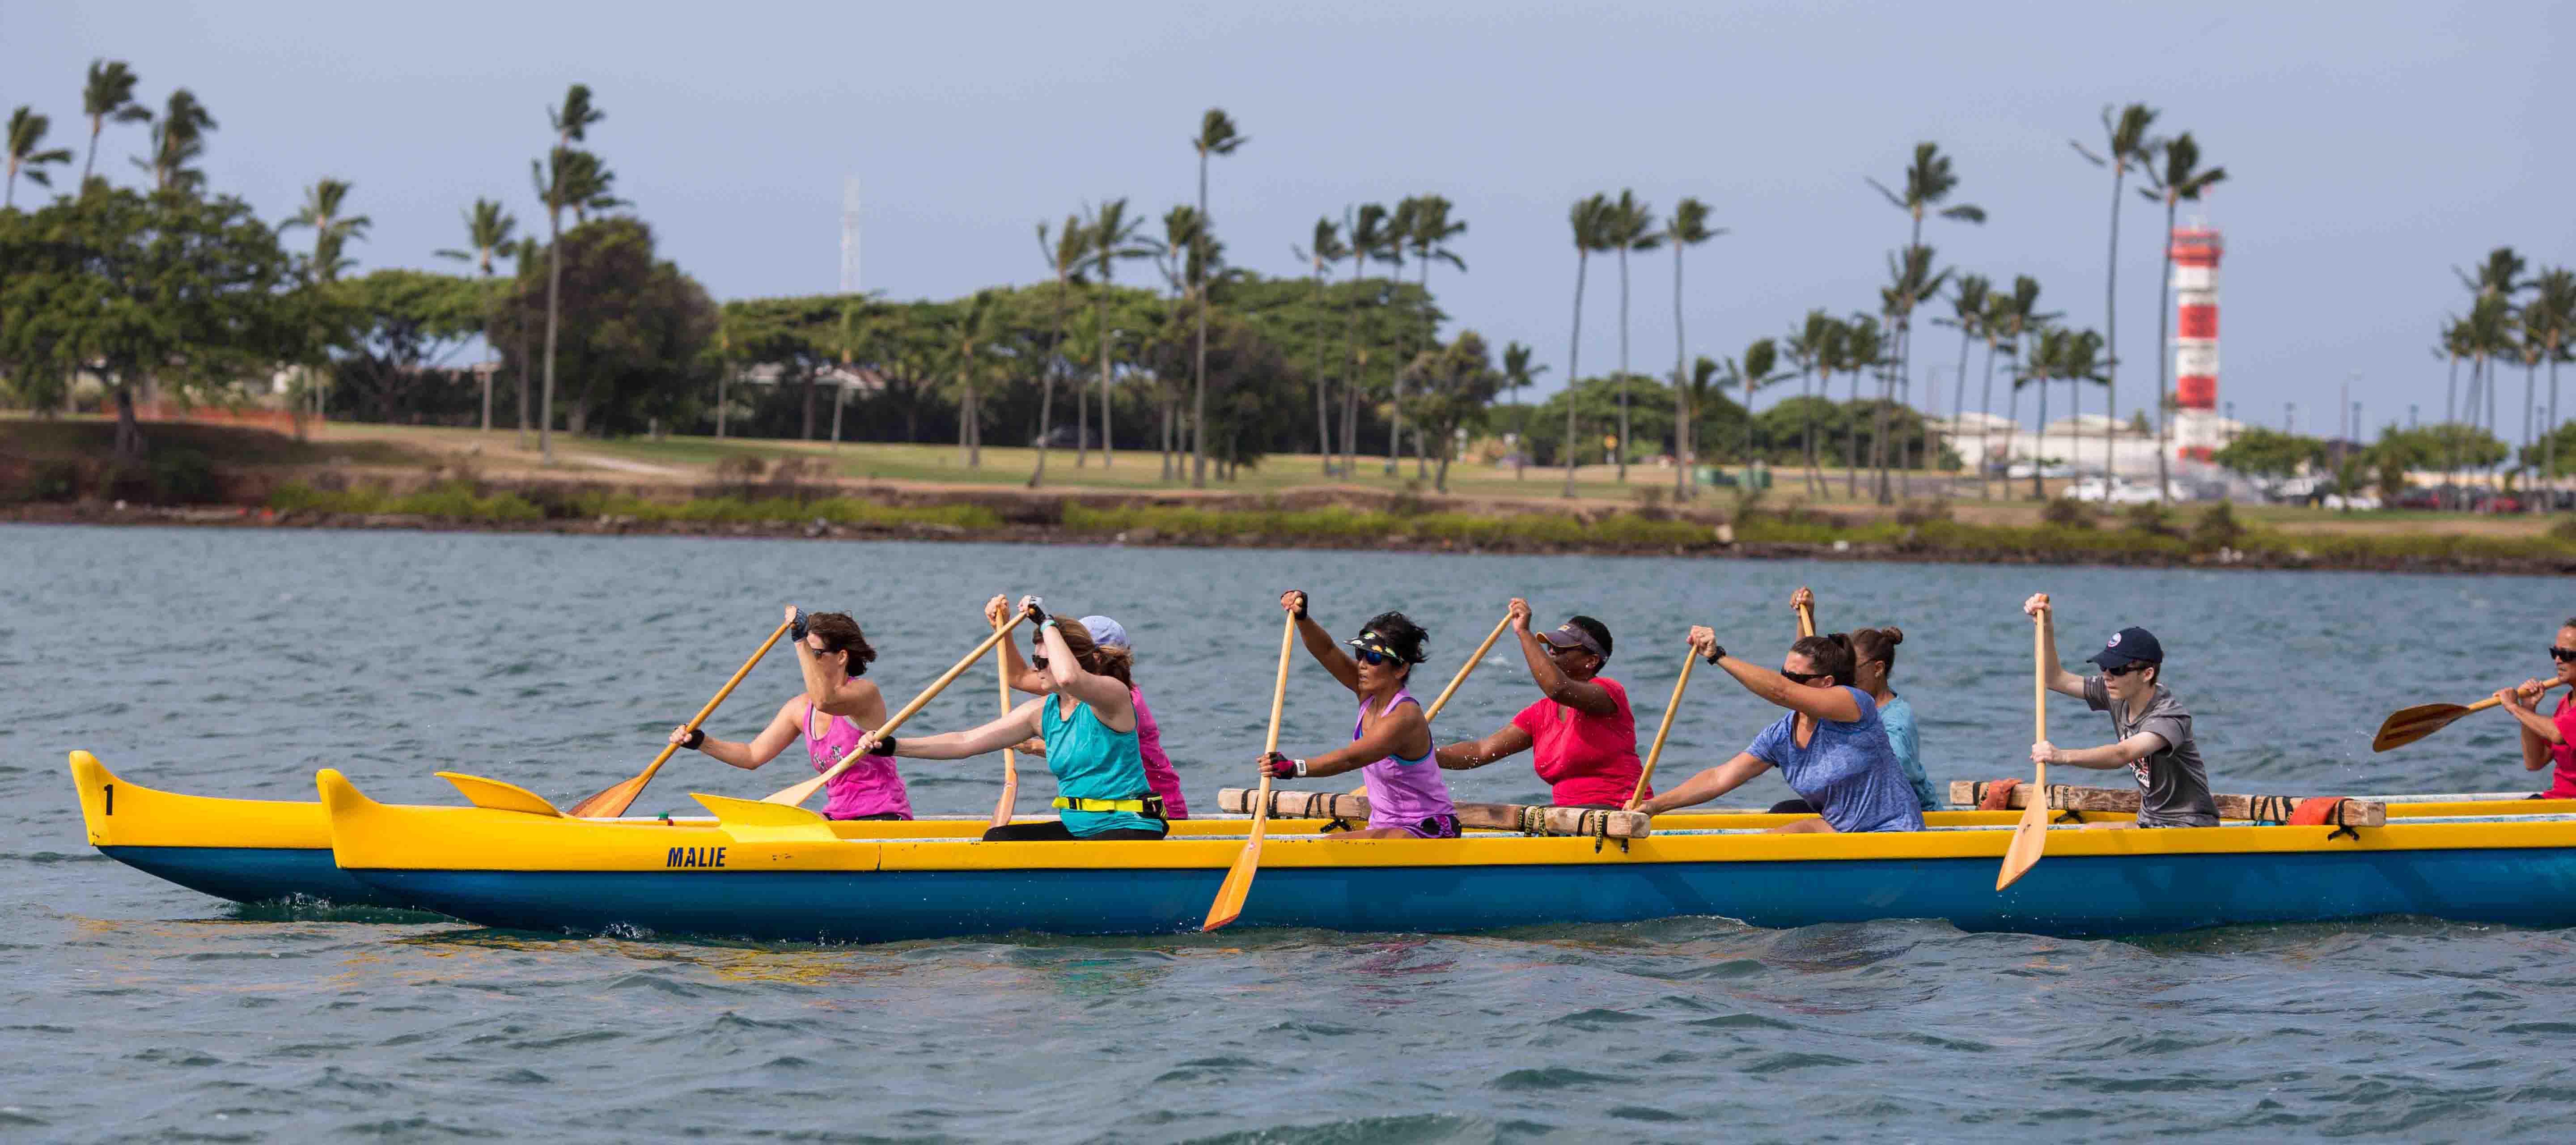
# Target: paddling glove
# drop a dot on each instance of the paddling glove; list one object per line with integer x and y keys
{"x": 796, "y": 628}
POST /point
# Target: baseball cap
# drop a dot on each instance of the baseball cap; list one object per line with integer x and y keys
{"x": 1105, "y": 632}
{"x": 2130, "y": 646}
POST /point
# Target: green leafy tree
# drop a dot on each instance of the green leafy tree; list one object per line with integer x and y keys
{"x": 108, "y": 95}
{"x": 1217, "y": 136}
{"x": 28, "y": 153}
{"x": 404, "y": 327}
{"x": 2261, "y": 452}
{"x": 1630, "y": 227}
{"x": 2126, "y": 145}
{"x": 1456, "y": 384}
{"x": 173, "y": 290}
{"x": 1686, "y": 229}
{"x": 1591, "y": 219}
{"x": 633, "y": 331}
{"x": 488, "y": 227}
{"x": 2178, "y": 179}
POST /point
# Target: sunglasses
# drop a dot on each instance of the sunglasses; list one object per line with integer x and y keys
{"x": 1372, "y": 656}
{"x": 2562, "y": 655}
{"x": 2124, "y": 670}
{"x": 1804, "y": 677}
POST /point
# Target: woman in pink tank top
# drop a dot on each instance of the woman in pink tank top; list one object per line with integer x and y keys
{"x": 834, "y": 711}
{"x": 2549, "y": 739}
{"x": 1105, "y": 633}
{"x": 1391, "y": 741}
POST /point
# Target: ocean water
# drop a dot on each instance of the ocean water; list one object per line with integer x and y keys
{"x": 237, "y": 662}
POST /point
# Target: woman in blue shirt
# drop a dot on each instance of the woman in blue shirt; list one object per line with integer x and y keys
{"x": 1830, "y": 747}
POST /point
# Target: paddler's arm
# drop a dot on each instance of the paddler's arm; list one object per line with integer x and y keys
{"x": 2103, "y": 758}
{"x": 1106, "y": 697}
{"x": 1471, "y": 754}
{"x": 1583, "y": 696}
{"x": 2539, "y": 732}
{"x": 1007, "y": 731}
{"x": 1015, "y": 667}
{"x": 1834, "y": 704}
{"x": 2059, "y": 679}
{"x": 1708, "y": 784}
{"x": 1400, "y": 732}
{"x": 1319, "y": 643}
{"x": 782, "y": 730}
{"x": 817, "y": 689}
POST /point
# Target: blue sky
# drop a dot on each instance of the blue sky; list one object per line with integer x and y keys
{"x": 2370, "y": 147}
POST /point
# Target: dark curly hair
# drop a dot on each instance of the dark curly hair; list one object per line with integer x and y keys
{"x": 1400, "y": 635}
{"x": 841, "y": 634}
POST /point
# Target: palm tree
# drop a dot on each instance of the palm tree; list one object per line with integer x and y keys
{"x": 1066, "y": 252}
{"x": 1429, "y": 237}
{"x": 1216, "y": 136}
{"x": 1631, "y": 227}
{"x": 1761, "y": 360}
{"x": 1320, "y": 254}
{"x": 1809, "y": 345}
{"x": 1974, "y": 294}
{"x": 1687, "y": 228}
{"x": 2488, "y": 334}
{"x": 178, "y": 139}
{"x": 1911, "y": 279}
{"x": 973, "y": 330}
{"x": 26, "y": 134}
{"x": 321, "y": 211}
{"x": 1185, "y": 252}
{"x": 2177, "y": 179}
{"x": 108, "y": 94}
{"x": 1113, "y": 240}
{"x": 571, "y": 124}
{"x": 1367, "y": 227}
{"x": 1862, "y": 347}
{"x": 1518, "y": 372}
{"x": 1398, "y": 236}
{"x": 1928, "y": 183}
{"x": 2011, "y": 315}
{"x": 487, "y": 237}
{"x": 2038, "y": 367}
{"x": 2127, "y": 145}
{"x": 2551, "y": 316}
{"x": 1590, "y": 219}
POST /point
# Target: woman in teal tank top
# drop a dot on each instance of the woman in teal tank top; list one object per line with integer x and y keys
{"x": 1089, "y": 726}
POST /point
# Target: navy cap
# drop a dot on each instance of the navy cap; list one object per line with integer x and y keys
{"x": 2130, "y": 646}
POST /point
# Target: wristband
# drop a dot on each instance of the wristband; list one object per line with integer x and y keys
{"x": 1301, "y": 767}
{"x": 885, "y": 746}
{"x": 1717, "y": 654}
{"x": 695, "y": 740}
{"x": 1302, "y": 600}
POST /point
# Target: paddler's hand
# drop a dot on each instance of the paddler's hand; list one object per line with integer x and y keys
{"x": 2532, "y": 690}
{"x": 1034, "y": 608}
{"x": 1031, "y": 746}
{"x": 687, "y": 736}
{"x": 1277, "y": 766}
{"x": 1294, "y": 601}
{"x": 796, "y": 623}
{"x": 2044, "y": 752}
{"x": 2037, "y": 605}
{"x": 996, "y": 609}
{"x": 1519, "y": 611}
{"x": 1703, "y": 639}
{"x": 2513, "y": 699}
{"x": 1803, "y": 598}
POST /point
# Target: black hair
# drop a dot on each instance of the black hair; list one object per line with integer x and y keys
{"x": 841, "y": 634}
{"x": 1600, "y": 632}
{"x": 1400, "y": 635}
{"x": 1830, "y": 653}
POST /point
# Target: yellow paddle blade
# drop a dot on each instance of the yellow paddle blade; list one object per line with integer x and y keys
{"x": 759, "y": 821}
{"x": 494, "y": 795}
{"x": 613, "y": 802}
{"x": 797, "y": 795}
{"x": 1238, "y": 878}
{"x": 2402, "y": 728}
{"x": 2029, "y": 838}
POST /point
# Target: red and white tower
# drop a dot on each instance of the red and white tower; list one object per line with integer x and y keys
{"x": 2195, "y": 251}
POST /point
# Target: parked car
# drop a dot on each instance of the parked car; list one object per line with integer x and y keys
{"x": 2142, "y": 492}
{"x": 2340, "y": 501}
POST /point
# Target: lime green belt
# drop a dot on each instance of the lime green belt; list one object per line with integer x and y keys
{"x": 1151, "y": 805}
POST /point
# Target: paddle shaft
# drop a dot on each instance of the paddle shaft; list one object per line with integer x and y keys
{"x": 2030, "y": 834}
{"x": 918, "y": 702}
{"x": 1010, "y": 761}
{"x": 1238, "y": 878}
{"x": 1806, "y": 620}
{"x": 2491, "y": 701}
{"x": 585, "y": 807}
{"x": 1690, "y": 660}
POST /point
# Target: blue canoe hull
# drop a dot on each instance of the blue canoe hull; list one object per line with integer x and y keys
{"x": 254, "y": 874}
{"x": 2072, "y": 896}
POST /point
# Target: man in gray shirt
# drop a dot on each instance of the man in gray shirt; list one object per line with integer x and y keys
{"x": 2154, "y": 731}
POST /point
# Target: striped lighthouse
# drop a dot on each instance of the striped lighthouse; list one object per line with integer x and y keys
{"x": 2195, "y": 253}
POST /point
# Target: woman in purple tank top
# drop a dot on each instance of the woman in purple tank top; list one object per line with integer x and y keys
{"x": 832, "y": 713}
{"x": 1391, "y": 741}
{"x": 1105, "y": 633}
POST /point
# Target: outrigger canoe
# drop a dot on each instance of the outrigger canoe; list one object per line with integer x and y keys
{"x": 767, "y": 872}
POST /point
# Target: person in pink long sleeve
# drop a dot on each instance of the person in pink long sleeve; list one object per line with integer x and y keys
{"x": 1106, "y": 633}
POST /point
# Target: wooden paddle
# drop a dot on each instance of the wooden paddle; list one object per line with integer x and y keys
{"x": 1806, "y": 618}
{"x": 1464, "y": 670}
{"x": 1010, "y": 764}
{"x": 2405, "y": 727}
{"x": 798, "y": 794}
{"x": 1690, "y": 659}
{"x": 2030, "y": 836}
{"x": 614, "y": 801}
{"x": 1238, "y": 879}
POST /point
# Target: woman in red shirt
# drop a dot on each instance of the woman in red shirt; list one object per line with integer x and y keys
{"x": 1581, "y": 737}
{"x": 2551, "y": 738}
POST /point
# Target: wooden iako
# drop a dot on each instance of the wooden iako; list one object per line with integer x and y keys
{"x": 2252, "y": 808}
{"x": 1575, "y": 821}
